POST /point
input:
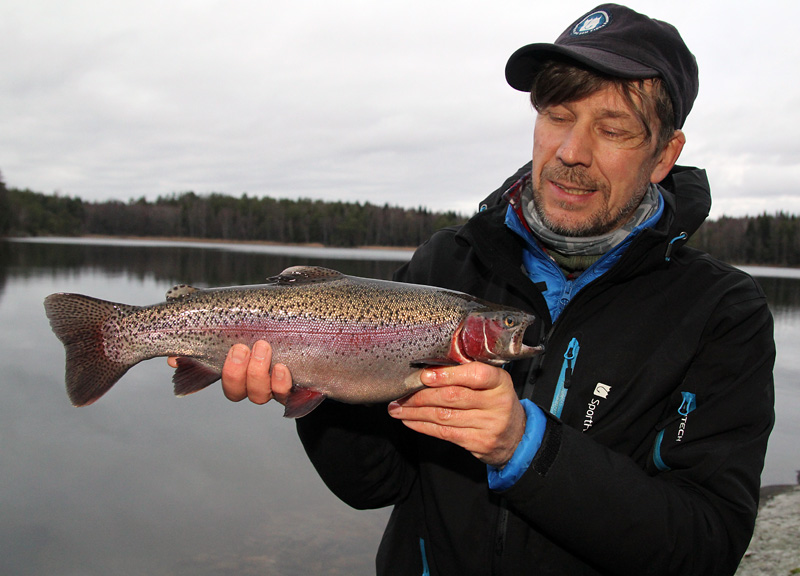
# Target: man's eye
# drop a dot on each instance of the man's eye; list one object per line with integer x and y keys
{"x": 616, "y": 133}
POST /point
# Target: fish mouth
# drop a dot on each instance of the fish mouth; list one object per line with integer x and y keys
{"x": 530, "y": 351}
{"x": 524, "y": 351}
{"x": 516, "y": 348}
{"x": 521, "y": 350}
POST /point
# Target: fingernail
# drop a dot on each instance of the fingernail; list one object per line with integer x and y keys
{"x": 277, "y": 373}
{"x": 238, "y": 354}
{"x": 260, "y": 350}
{"x": 428, "y": 376}
{"x": 394, "y": 408}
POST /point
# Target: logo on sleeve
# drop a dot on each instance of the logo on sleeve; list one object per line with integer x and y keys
{"x": 591, "y": 23}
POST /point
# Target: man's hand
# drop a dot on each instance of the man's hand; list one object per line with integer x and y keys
{"x": 246, "y": 374}
{"x": 473, "y": 405}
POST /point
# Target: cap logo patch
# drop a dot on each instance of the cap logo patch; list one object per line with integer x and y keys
{"x": 591, "y": 23}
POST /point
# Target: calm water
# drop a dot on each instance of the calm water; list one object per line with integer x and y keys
{"x": 143, "y": 483}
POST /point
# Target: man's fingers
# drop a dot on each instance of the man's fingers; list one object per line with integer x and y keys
{"x": 259, "y": 389}
{"x": 474, "y": 375}
{"x": 473, "y": 405}
{"x": 442, "y": 415}
{"x": 246, "y": 374}
{"x": 457, "y": 397}
{"x": 281, "y": 383}
{"x": 234, "y": 373}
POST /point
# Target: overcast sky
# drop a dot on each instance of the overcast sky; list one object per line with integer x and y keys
{"x": 388, "y": 102}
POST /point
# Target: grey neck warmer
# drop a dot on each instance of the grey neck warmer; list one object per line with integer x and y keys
{"x": 590, "y": 245}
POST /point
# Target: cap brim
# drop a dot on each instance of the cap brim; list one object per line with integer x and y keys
{"x": 523, "y": 64}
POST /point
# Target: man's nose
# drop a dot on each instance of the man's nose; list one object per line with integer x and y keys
{"x": 575, "y": 148}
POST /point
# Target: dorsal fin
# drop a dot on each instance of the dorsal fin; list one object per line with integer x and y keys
{"x": 305, "y": 275}
{"x": 180, "y": 291}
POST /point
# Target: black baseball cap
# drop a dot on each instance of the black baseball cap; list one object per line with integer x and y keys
{"x": 617, "y": 41}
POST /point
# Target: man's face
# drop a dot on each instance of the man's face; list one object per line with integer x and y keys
{"x": 590, "y": 166}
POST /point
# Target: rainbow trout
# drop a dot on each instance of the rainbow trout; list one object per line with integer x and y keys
{"x": 351, "y": 339}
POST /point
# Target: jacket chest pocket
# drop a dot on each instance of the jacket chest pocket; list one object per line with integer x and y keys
{"x": 589, "y": 397}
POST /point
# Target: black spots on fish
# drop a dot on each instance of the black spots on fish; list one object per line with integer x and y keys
{"x": 359, "y": 300}
{"x": 353, "y": 337}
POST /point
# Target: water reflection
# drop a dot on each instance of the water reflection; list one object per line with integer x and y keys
{"x": 5, "y": 261}
{"x": 187, "y": 262}
{"x": 783, "y": 295}
{"x": 142, "y": 483}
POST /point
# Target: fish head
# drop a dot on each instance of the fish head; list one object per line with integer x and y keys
{"x": 494, "y": 336}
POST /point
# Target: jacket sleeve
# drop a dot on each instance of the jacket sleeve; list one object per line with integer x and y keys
{"x": 359, "y": 453}
{"x": 694, "y": 512}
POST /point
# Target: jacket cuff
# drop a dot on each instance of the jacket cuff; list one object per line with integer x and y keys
{"x": 504, "y": 478}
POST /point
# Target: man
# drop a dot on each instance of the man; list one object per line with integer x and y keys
{"x": 634, "y": 445}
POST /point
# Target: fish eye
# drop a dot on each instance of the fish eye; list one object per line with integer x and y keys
{"x": 509, "y": 321}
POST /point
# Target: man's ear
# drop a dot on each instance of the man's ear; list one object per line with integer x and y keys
{"x": 669, "y": 155}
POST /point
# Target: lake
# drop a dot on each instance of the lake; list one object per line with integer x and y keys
{"x": 142, "y": 483}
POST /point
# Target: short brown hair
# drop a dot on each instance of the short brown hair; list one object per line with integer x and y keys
{"x": 560, "y": 82}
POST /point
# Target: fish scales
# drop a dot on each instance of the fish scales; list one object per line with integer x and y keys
{"x": 347, "y": 338}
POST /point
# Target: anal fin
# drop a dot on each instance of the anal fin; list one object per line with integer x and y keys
{"x": 301, "y": 401}
{"x": 192, "y": 375}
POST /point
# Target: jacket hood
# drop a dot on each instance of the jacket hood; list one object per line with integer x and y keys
{"x": 689, "y": 198}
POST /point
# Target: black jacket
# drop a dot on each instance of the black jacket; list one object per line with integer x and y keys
{"x": 653, "y": 465}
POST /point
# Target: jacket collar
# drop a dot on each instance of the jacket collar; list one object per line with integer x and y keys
{"x": 685, "y": 190}
{"x": 688, "y": 198}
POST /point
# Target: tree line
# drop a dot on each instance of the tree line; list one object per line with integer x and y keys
{"x": 223, "y": 217}
{"x": 766, "y": 239}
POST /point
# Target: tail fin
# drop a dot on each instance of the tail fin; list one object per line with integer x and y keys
{"x": 78, "y": 322}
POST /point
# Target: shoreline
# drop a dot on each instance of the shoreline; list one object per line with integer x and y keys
{"x": 771, "y": 491}
{"x": 196, "y": 240}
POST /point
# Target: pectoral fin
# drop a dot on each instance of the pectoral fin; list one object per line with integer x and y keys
{"x": 423, "y": 362}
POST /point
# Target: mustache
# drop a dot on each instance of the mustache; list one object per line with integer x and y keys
{"x": 571, "y": 175}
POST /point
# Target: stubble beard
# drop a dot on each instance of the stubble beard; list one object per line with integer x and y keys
{"x": 602, "y": 221}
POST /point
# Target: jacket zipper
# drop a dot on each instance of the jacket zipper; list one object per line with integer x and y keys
{"x": 565, "y": 378}
{"x": 688, "y": 403}
{"x": 425, "y": 570}
{"x": 502, "y": 522}
{"x": 560, "y": 396}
